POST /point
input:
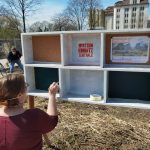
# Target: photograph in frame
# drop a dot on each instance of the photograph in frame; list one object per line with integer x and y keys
{"x": 133, "y": 49}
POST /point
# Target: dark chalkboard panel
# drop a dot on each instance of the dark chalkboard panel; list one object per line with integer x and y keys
{"x": 44, "y": 77}
{"x": 129, "y": 85}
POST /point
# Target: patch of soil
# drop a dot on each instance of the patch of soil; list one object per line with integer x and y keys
{"x": 98, "y": 127}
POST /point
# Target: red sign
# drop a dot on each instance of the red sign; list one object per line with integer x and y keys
{"x": 85, "y": 49}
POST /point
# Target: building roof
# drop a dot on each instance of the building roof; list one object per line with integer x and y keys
{"x": 109, "y": 11}
{"x": 144, "y": 1}
{"x": 127, "y": 2}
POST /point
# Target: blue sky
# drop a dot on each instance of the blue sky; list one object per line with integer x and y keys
{"x": 51, "y": 7}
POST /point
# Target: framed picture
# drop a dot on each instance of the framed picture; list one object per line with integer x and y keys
{"x": 129, "y": 49}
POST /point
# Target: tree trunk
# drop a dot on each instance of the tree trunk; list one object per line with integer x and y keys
{"x": 24, "y": 23}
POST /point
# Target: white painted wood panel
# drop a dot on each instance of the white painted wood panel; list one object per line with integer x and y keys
{"x": 27, "y": 48}
{"x": 82, "y": 83}
{"x": 82, "y": 49}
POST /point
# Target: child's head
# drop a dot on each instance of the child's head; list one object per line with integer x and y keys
{"x": 11, "y": 87}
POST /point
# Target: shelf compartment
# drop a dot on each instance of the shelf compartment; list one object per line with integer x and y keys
{"x": 44, "y": 77}
{"x": 39, "y": 79}
{"x": 78, "y": 85}
{"x": 82, "y": 49}
{"x": 46, "y": 48}
{"x": 130, "y": 86}
{"x": 42, "y": 48}
{"x": 127, "y": 49}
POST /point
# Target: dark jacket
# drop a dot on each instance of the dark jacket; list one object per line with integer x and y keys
{"x": 15, "y": 57}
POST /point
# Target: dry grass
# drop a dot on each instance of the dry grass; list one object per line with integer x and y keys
{"x": 97, "y": 127}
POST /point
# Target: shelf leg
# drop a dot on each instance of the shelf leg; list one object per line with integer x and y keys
{"x": 31, "y": 102}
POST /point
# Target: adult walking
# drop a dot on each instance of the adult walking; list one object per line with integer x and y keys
{"x": 14, "y": 58}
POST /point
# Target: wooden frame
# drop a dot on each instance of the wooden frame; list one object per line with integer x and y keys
{"x": 108, "y": 47}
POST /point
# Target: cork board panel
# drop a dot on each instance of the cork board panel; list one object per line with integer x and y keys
{"x": 108, "y": 46}
{"x": 46, "y": 48}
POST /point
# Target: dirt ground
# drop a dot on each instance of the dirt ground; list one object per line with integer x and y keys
{"x": 98, "y": 127}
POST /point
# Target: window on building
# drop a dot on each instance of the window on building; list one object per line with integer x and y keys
{"x": 141, "y": 14}
{"x": 142, "y": 8}
{"x": 117, "y": 27}
{"x": 125, "y": 26}
{"x": 118, "y": 16}
{"x": 126, "y": 9}
{"x": 132, "y": 26}
{"x": 134, "y": 1}
{"x": 134, "y": 9}
{"x": 118, "y": 10}
{"x": 133, "y": 14}
{"x": 132, "y": 21}
{"x": 126, "y": 15}
{"x": 117, "y": 22}
{"x": 140, "y": 25}
{"x": 141, "y": 20}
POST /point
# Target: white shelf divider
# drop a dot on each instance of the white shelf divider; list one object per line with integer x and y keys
{"x": 45, "y": 65}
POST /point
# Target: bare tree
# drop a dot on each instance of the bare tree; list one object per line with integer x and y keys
{"x": 41, "y": 26}
{"x": 62, "y": 22}
{"x": 20, "y": 9}
{"x": 93, "y": 6}
{"x": 6, "y": 16}
{"x": 78, "y": 11}
{"x": 2, "y": 9}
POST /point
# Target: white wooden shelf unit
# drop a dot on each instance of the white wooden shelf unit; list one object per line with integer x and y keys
{"x": 80, "y": 62}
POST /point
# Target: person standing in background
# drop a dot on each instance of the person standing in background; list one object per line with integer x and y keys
{"x": 14, "y": 58}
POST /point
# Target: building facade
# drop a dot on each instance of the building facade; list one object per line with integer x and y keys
{"x": 126, "y": 14}
{"x": 130, "y": 14}
{"x": 109, "y": 17}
